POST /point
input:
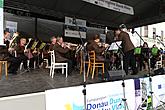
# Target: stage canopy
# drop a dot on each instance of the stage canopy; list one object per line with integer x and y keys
{"x": 145, "y": 11}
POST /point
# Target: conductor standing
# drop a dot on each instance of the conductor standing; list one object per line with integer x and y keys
{"x": 128, "y": 49}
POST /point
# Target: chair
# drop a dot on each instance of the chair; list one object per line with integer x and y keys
{"x": 55, "y": 65}
{"x": 159, "y": 63}
{"x": 6, "y": 70}
{"x": 95, "y": 64}
{"x": 82, "y": 63}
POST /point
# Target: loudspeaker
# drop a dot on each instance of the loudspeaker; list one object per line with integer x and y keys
{"x": 116, "y": 74}
{"x": 159, "y": 71}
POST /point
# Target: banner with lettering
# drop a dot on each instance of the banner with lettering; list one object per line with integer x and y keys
{"x": 158, "y": 88}
{"x": 101, "y": 96}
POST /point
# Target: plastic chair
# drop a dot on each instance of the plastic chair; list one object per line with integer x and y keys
{"x": 159, "y": 63}
{"x": 95, "y": 64}
{"x": 55, "y": 65}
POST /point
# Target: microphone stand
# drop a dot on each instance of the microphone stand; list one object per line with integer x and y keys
{"x": 161, "y": 42}
{"x": 150, "y": 84}
{"x": 84, "y": 57}
{"x": 141, "y": 39}
{"x": 123, "y": 83}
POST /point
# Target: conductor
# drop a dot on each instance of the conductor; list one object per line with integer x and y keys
{"x": 128, "y": 49}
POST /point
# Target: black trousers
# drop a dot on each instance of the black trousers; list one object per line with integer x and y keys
{"x": 23, "y": 58}
{"x": 129, "y": 59}
{"x": 14, "y": 64}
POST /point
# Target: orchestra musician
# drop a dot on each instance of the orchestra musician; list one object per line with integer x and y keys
{"x": 144, "y": 57}
{"x": 6, "y": 38}
{"x": 21, "y": 51}
{"x": 53, "y": 42}
{"x": 5, "y": 55}
{"x": 95, "y": 45}
{"x": 60, "y": 50}
{"x": 34, "y": 58}
{"x": 128, "y": 50}
{"x": 154, "y": 57}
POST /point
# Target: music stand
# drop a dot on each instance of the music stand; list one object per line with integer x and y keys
{"x": 115, "y": 46}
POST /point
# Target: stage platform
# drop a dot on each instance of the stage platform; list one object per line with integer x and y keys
{"x": 39, "y": 80}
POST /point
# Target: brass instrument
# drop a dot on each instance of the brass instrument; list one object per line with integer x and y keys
{"x": 30, "y": 39}
{"x": 70, "y": 45}
{"x": 34, "y": 45}
{"x": 13, "y": 41}
{"x": 42, "y": 45}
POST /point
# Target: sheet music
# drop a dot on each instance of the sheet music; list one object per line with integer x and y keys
{"x": 114, "y": 45}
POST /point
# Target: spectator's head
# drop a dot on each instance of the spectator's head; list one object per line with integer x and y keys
{"x": 154, "y": 46}
{"x": 145, "y": 45}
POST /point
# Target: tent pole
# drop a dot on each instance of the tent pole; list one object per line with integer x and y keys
{"x": 36, "y": 28}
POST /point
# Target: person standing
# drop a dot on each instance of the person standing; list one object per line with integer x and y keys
{"x": 128, "y": 50}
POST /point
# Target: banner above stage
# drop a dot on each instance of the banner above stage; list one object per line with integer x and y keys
{"x": 1, "y": 22}
{"x": 116, "y": 6}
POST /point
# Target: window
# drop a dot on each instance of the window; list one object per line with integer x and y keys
{"x": 162, "y": 35}
{"x": 154, "y": 33}
{"x": 145, "y": 31}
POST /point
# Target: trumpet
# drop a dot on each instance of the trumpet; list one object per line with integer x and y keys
{"x": 70, "y": 44}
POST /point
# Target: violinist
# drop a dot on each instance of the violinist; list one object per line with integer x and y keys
{"x": 95, "y": 45}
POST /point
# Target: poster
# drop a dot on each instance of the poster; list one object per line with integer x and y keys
{"x": 11, "y": 26}
{"x": 158, "y": 88}
{"x": 142, "y": 93}
{"x": 143, "y": 89}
